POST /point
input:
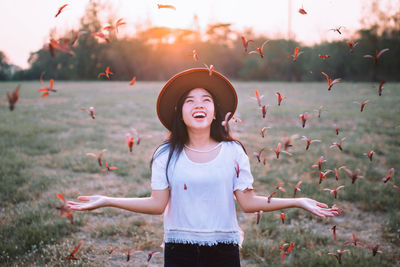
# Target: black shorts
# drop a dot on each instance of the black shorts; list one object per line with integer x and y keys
{"x": 193, "y": 255}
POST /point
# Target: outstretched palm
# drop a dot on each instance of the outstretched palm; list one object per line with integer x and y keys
{"x": 92, "y": 202}
{"x": 317, "y": 208}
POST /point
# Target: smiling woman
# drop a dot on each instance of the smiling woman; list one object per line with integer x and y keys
{"x": 198, "y": 109}
{"x": 198, "y": 173}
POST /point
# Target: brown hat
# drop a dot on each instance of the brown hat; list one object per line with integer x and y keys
{"x": 189, "y": 79}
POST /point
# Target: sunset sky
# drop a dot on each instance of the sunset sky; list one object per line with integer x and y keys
{"x": 26, "y": 24}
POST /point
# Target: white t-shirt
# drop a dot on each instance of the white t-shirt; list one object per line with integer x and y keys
{"x": 203, "y": 213}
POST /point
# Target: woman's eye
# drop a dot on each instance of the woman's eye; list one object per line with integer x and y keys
{"x": 207, "y": 99}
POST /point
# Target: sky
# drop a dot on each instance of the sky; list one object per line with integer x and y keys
{"x": 26, "y": 24}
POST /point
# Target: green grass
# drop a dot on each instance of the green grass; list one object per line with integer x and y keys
{"x": 31, "y": 226}
{"x": 44, "y": 142}
{"x": 392, "y": 227}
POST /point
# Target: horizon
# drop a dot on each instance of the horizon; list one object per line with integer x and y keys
{"x": 309, "y": 29}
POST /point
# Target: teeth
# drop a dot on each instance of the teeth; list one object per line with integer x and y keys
{"x": 199, "y": 114}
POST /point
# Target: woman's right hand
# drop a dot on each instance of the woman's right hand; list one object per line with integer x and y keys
{"x": 93, "y": 202}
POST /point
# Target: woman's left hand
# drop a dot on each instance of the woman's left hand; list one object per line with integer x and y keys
{"x": 317, "y": 208}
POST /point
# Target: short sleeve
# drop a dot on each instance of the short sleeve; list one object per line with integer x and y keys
{"x": 245, "y": 179}
{"x": 158, "y": 177}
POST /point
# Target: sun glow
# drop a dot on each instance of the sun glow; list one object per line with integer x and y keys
{"x": 183, "y": 17}
{"x": 269, "y": 18}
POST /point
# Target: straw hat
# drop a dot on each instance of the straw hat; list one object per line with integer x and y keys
{"x": 184, "y": 81}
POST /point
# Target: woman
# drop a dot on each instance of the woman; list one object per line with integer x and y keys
{"x": 197, "y": 173}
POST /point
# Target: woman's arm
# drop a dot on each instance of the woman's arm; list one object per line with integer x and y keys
{"x": 155, "y": 204}
{"x": 249, "y": 202}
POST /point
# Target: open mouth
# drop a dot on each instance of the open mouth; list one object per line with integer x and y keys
{"x": 199, "y": 115}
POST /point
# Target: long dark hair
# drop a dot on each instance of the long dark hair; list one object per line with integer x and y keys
{"x": 178, "y": 136}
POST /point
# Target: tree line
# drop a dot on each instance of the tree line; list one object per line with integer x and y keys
{"x": 156, "y": 53}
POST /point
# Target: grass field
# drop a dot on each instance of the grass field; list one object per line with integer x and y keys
{"x": 43, "y": 149}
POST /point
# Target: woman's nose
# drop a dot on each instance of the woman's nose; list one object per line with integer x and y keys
{"x": 199, "y": 104}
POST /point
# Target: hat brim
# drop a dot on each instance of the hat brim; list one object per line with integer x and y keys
{"x": 216, "y": 83}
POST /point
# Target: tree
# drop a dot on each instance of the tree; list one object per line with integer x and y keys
{"x": 4, "y": 67}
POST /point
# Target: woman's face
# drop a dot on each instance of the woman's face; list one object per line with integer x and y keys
{"x": 198, "y": 109}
